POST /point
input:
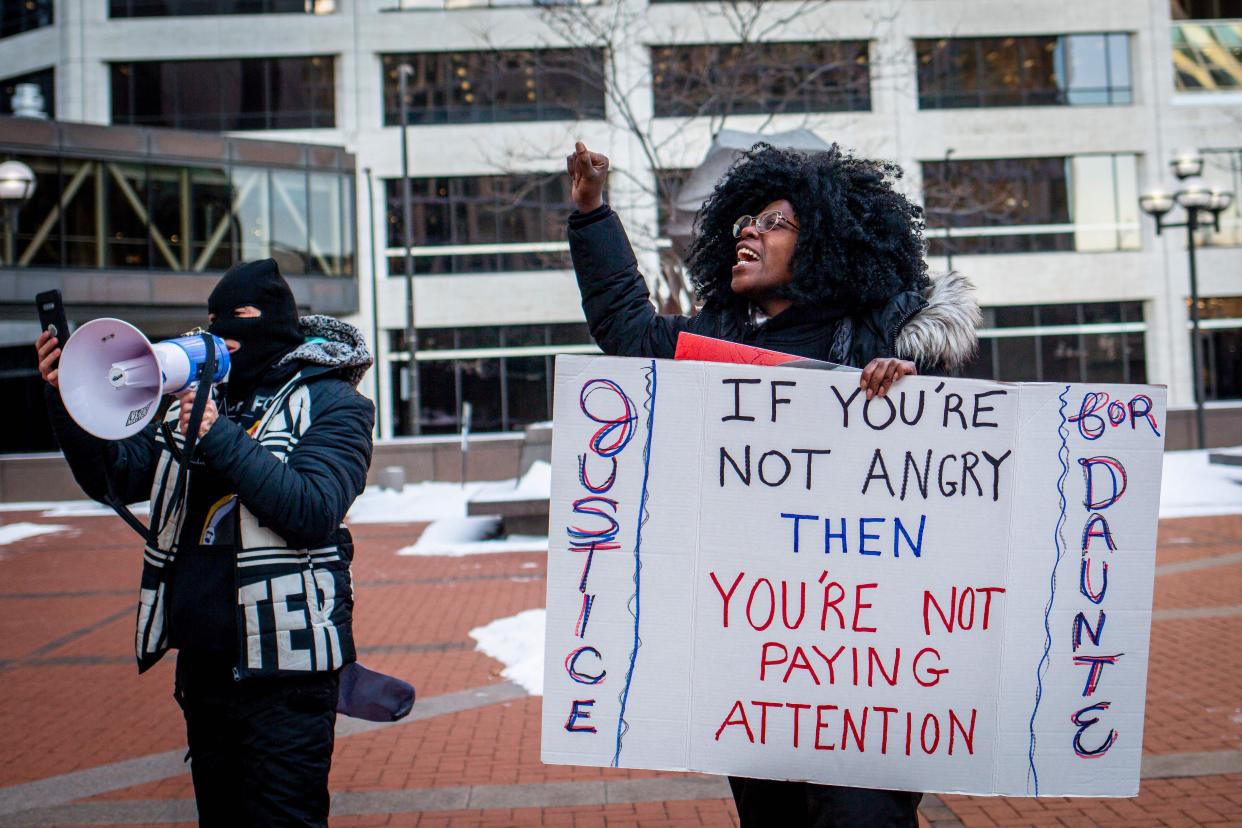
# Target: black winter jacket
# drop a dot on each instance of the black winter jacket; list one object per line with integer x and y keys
{"x": 623, "y": 322}
{"x": 295, "y": 479}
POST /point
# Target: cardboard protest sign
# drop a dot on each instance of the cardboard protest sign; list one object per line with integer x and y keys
{"x": 757, "y": 571}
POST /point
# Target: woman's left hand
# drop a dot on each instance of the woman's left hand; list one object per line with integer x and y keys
{"x": 882, "y": 372}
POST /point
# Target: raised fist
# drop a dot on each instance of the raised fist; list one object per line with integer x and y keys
{"x": 589, "y": 173}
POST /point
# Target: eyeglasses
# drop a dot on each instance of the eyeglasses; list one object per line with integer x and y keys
{"x": 764, "y": 223}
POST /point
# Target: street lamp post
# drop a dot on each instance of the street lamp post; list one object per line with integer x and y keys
{"x": 17, "y": 185}
{"x": 1196, "y": 198}
{"x": 404, "y": 71}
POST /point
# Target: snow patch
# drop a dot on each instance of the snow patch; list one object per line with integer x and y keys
{"x": 516, "y": 642}
{"x": 421, "y": 502}
{"x": 70, "y": 508}
{"x": 14, "y": 532}
{"x": 536, "y": 484}
{"x": 1192, "y": 487}
{"x": 457, "y": 537}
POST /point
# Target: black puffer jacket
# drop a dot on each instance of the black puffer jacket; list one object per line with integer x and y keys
{"x": 295, "y": 479}
{"x": 935, "y": 330}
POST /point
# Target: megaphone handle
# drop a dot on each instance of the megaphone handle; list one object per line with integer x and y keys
{"x": 191, "y": 428}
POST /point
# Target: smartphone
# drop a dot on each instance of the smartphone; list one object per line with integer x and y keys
{"x": 52, "y": 315}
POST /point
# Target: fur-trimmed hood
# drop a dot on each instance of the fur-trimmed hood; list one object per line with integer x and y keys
{"x": 332, "y": 343}
{"x": 945, "y": 332}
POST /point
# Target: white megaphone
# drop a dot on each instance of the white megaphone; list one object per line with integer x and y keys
{"x": 112, "y": 377}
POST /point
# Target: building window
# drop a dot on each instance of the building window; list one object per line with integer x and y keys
{"x": 1223, "y": 168}
{"x": 504, "y": 372}
{"x": 45, "y": 79}
{"x": 187, "y": 8}
{"x": 761, "y": 78}
{"x": 224, "y": 95}
{"x": 17, "y": 16}
{"x": 1084, "y": 203}
{"x": 482, "y": 224}
{"x": 1051, "y": 70}
{"x": 494, "y": 86}
{"x": 115, "y": 214}
{"x": 1090, "y": 342}
{"x": 1205, "y": 9}
{"x": 1207, "y": 57}
{"x": 1220, "y": 322}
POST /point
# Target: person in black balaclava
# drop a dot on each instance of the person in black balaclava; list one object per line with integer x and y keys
{"x": 261, "y": 340}
{"x": 248, "y": 576}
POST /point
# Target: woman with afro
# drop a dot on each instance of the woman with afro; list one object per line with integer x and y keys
{"x": 814, "y": 255}
{"x": 810, "y": 254}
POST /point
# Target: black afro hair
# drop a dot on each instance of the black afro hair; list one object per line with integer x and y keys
{"x": 861, "y": 241}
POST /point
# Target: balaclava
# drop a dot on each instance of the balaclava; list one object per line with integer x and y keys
{"x": 265, "y": 338}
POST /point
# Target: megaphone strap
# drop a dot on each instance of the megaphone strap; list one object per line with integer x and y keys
{"x": 151, "y": 534}
{"x": 196, "y": 419}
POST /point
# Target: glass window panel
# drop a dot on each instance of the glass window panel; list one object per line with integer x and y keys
{"x": 212, "y": 243}
{"x": 1206, "y": 56}
{"x": 38, "y": 210}
{"x": 482, "y": 210}
{"x": 1017, "y": 316}
{"x": 572, "y": 333}
{"x": 1101, "y": 313}
{"x": 1087, "y": 63}
{"x": 1223, "y": 353}
{"x": 526, "y": 382}
{"x": 1120, "y": 85}
{"x": 82, "y": 225}
{"x": 1006, "y": 192}
{"x": 324, "y": 196}
{"x": 982, "y": 366}
{"x": 1061, "y": 358}
{"x": 125, "y": 199}
{"x": 437, "y": 339}
{"x": 1105, "y": 356}
{"x": 348, "y": 226}
{"x": 761, "y": 78}
{"x": 1220, "y": 307}
{"x": 1224, "y": 168}
{"x": 1058, "y": 315}
{"x": 496, "y": 86}
{"x": 518, "y": 336}
{"x": 480, "y": 386}
{"x": 253, "y": 209}
{"x": 1136, "y": 355}
{"x": 165, "y": 185}
{"x": 483, "y": 336}
{"x": 1041, "y": 70}
{"x": 1095, "y": 203}
{"x": 45, "y": 79}
{"x": 1205, "y": 9}
{"x": 290, "y": 239}
{"x": 175, "y": 8}
{"x": 1016, "y": 359}
{"x": 437, "y": 385}
{"x": 330, "y": 230}
{"x": 17, "y": 16}
{"x": 1125, "y": 179}
{"x": 399, "y": 379}
{"x": 1131, "y": 311}
{"x": 227, "y": 94}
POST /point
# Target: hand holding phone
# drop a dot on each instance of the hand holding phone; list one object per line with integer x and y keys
{"x": 52, "y": 314}
{"x": 54, "y": 334}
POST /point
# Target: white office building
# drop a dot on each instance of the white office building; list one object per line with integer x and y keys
{"x": 1029, "y": 128}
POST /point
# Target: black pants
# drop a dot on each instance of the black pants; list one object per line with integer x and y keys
{"x": 764, "y": 802}
{"x": 260, "y": 749}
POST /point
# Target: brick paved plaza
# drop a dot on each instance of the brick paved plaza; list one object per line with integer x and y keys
{"x": 84, "y": 740}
